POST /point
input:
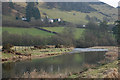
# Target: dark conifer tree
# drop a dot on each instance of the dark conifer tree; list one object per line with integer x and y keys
{"x": 32, "y": 11}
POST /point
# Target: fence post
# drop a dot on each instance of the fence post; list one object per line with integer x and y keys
{"x": 15, "y": 48}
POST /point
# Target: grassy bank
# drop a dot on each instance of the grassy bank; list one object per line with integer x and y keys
{"x": 22, "y": 53}
{"x": 109, "y": 70}
{"x": 106, "y": 70}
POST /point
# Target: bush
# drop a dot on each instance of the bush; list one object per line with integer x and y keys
{"x": 59, "y": 46}
{"x": 22, "y": 40}
{"x": 7, "y": 48}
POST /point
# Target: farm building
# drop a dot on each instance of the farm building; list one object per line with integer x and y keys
{"x": 50, "y": 20}
{"x": 24, "y": 19}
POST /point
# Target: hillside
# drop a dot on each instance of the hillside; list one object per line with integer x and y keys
{"x": 110, "y": 12}
{"x": 74, "y": 13}
{"x": 70, "y": 12}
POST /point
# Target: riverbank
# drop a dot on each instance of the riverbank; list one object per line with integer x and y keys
{"x": 109, "y": 70}
{"x": 112, "y": 53}
{"x": 28, "y": 54}
{"x": 101, "y": 68}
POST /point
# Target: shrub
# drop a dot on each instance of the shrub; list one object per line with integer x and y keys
{"x": 7, "y": 48}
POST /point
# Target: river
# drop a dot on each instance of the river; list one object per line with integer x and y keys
{"x": 75, "y": 61}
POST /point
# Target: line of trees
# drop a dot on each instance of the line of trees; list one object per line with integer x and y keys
{"x": 94, "y": 35}
{"x": 66, "y": 38}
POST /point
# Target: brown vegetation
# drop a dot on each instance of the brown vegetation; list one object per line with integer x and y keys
{"x": 42, "y": 74}
{"x": 111, "y": 73}
{"x": 112, "y": 53}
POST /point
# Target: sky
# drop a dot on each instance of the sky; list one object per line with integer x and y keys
{"x": 113, "y": 3}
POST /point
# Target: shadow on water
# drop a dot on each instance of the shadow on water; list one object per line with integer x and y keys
{"x": 59, "y": 64}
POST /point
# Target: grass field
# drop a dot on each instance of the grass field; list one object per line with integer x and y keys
{"x": 31, "y": 31}
{"x": 36, "y": 32}
{"x": 77, "y": 34}
{"x": 77, "y": 18}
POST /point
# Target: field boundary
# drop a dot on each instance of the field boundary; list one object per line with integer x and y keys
{"x": 46, "y": 30}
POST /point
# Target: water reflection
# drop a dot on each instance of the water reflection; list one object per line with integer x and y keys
{"x": 60, "y": 64}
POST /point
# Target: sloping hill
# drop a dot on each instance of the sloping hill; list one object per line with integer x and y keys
{"x": 110, "y": 12}
{"x": 76, "y": 12}
{"x": 70, "y": 12}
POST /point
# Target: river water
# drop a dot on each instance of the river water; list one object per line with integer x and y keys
{"x": 76, "y": 61}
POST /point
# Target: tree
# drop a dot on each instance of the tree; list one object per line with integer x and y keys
{"x": 29, "y": 9}
{"x": 32, "y": 11}
{"x": 65, "y": 38}
{"x": 103, "y": 26}
{"x": 96, "y": 35}
{"x": 36, "y": 13}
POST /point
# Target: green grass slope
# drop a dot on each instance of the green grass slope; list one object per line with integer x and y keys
{"x": 36, "y": 32}
{"x": 77, "y": 17}
{"x": 74, "y": 17}
{"x": 78, "y": 31}
{"x": 31, "y": 31}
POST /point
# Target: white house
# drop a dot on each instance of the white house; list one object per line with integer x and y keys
{"x": 50, "y": 20}
{"x": 24, "y": 19}
{"x": 84, "y": 26}
{"x": 59, "y": 20}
